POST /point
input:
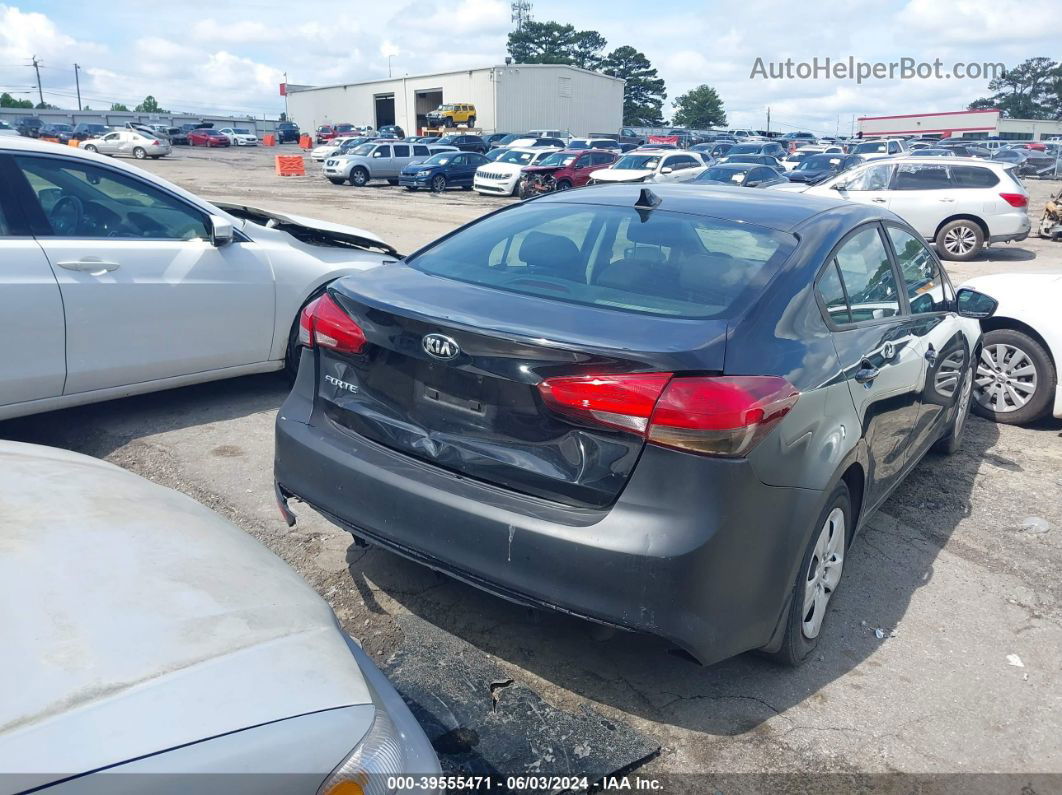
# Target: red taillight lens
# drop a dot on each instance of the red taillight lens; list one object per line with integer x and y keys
{"x": 1015, "y": 199}
{"x": 323, "y": 324}
{"x": 713, "y": 415}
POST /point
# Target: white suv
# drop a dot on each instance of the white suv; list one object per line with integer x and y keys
{"x": 502, "y": 177}
{"x": 960, "y": 203}
{"x": 875, "y": 150}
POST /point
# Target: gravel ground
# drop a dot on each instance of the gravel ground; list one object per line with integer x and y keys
{"x": 945, "y": 570}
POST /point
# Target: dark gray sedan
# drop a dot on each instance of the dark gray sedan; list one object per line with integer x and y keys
{"x": 745, "y": 175}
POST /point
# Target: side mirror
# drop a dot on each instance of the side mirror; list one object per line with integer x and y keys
{"x": 839, "y": 186}
{"x": 666, "y": 170}
{"x": 752, "y": 183}
{"x": 221, "y": 231}
{"x": 975, "y": 305}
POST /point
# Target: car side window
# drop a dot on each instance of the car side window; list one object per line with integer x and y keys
{"x": 915, "y": 176}
{"x": 874, "y": 177}
{"x": 5, "y": 230}
{"x": 893, "y": 147}
{"x": 602, "y": 158}
{"x": 973, "y": 177}
{"x": 459, "y": 160}
{"x": 381, "y": 151}
{"x": 420, "y": 151}
{"x": 401, "y": 151}
{"x": 82, "y": 200}
{"x": 927, "y": 291}
{"x": 867, "y": 275}
{"x": 831, "y": 293}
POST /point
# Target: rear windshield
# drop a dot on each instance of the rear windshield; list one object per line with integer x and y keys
{"x": 671, "y": 264}
{"x": 521, "y": 158}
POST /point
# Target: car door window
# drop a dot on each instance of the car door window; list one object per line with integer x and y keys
{"x": 419, "y": 151}
{"x": 602, "y": 158}
{"x": 381, "y": 151}
{"x": 916, "y": 176}
{"x": 867, "y": 276}
{"x": 973, "y": 177}
{"x": 874, "y": 177}
{"x": 5, "y": 230}
{"x": 927, "y": 290}
{"x": 831, "y": 294}
{"x": 459, "y": 160}
{"x": 401, "y": 151}
{"x": 83, "y": 200}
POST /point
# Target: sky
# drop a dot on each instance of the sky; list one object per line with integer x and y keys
{"x": 209, "y": 56}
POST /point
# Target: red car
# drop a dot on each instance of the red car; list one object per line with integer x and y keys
{"x": 206, "y": 137}
{"x": 569, "y": 168}
{"x": 326, "y": 132}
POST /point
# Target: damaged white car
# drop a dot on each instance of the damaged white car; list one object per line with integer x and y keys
{"x": 114, "y": 282}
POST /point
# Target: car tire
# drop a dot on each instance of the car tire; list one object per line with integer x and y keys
{"x": 1007, "y": 351}
{"x": 438, "y": 183}
{"x": 139, "y": 153}
{"x": 359, "y": 177}
{"x": 392, "y": 182}
{"x": 336, "y": 181}
{"x": 471, "y": 122}
{"x": 960, "y": 240}
{"x": 411, "y": 188}
{"x": 466, "y": 187}
{"x": 448, "y": 122}
{"x": 564, "y": 185}
{"x": 91, "y": 148}
{"x": 949, "y": 443}
{"x": 829, "y": 542}
{"x": 293, "y": 354}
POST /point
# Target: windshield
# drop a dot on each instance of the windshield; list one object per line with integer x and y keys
{"x": 242, "y": 131}
{"x": 745, "y": 149}
{"x": 818, "y": 162}
{"x": 521, "y": 158}
{"x": 718, "y": 174}
{"x": 508, "y": 139}
{"x": 362, "y": 150}
{"x": 665, "y": 264}
{"x": 557, "y": 159}
{"x": 637, "y": 162}
{"x": 440, "y": 159}
{"x": 870, "y": 148}
{"x": 62, "y": 127}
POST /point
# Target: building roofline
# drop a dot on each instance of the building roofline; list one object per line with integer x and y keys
{"x": 923, "y": 115}
{"x": 294, "y": 90}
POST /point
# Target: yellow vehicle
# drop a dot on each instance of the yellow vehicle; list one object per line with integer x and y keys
{"x": 453, "y": 114}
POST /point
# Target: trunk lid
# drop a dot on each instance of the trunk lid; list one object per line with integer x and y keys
{"x": 479, "y": 412}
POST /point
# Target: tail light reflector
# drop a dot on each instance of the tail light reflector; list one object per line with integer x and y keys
{"x": 711, "y": 415}
{"x": 1015, "y": 199}
{"x": 324, "y": 324}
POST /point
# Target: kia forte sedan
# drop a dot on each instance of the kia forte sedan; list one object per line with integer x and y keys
{"x": 665, "y": 409}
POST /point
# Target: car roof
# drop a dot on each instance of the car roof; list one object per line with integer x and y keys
{"x": 781, "y": 210}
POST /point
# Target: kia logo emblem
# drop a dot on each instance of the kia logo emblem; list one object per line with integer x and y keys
{"x": 440, "y": 346}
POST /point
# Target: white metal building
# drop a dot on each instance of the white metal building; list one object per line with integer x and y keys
{"x": 512, "y": 98}
{"x": 960, "y": 124}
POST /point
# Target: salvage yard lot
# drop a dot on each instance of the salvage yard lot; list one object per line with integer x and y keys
{"x": 911, "y": 676}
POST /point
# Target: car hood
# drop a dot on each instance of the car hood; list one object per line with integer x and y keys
{"x": 1008, "y": 286}
{"x": 621, "y": 174}
{"x": 138, "y": 620}
{"x": 542, "y": 169}
{"x": 309, "y": 230}
{"x": 502, "y": 168}
{"x": 413, "y": 168}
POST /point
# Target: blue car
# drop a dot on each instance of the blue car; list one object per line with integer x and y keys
{"x": 441, "y": 171}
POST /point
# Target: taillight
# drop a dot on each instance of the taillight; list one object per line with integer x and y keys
{"x": 323, "y": 324}
{"x": 155, "y": 143}
{"x": 711, "y": 415}
{"x": 1015, "y": 199}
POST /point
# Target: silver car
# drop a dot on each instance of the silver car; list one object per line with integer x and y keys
{"x": 374, "y": 160}
{"x": 130, "y": 143}
{"x": 158, "y": 648}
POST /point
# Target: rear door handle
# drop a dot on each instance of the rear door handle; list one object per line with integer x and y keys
{"x": 866, "y": 372}
{"x": 91, "y": 265}
{"x": 879, "y": 200}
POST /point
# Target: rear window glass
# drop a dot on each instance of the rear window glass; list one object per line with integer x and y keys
{"x": 973, "y": 177}
{"x": 667, "y": 264}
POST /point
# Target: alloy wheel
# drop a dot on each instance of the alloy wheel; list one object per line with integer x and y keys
{"x": 960, "y": 240}
{"x": 824, "y": 572}
{"x": 1006, "y": 378}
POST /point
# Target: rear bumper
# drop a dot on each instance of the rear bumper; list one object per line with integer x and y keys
{"x": 696, "y": 550}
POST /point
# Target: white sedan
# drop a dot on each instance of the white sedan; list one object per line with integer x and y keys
{"x": 1018, "y": 373}
{"x": 649, "y": 165}
{"x": 239, "y": 136}
{"x": 154, "y": 644}
{"x": 114, "y": 282}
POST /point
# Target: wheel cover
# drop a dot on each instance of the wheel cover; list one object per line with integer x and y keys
{"x": 949, "y": 374}
{"x": 438, "y": 183}
{"x": 960, "y": 240}
{"x": 359, "y": 177}
{"x": 964, "y": 404}
{"x": 1006, "y": 378}
{"x": 823, "y": 573}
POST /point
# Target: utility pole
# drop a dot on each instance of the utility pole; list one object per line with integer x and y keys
{"x": 768, "y": 119}
{"x": 389, "y": 57}
{"x": 286, "y": 116}
{"x": 37, "y": 69}
{"x": 77, "y": 82}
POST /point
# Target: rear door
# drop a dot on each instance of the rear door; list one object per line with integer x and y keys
{"x": 146, "y": 294}
{"x": 923, "y": 195}
{"x": 877, "y": 350}
{"x": 402, "y": 154}
{"x": 33, "y": 365}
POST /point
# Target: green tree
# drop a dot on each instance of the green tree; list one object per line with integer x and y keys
{"x": 1028, "y": 91}
{"x": 552, "y": 42}
{"x": 644, "y": 92}
{"x": 119, "y": 106}
{"x": 8, "y": 101}
{"x": 699, "y": 108}
{"x": 149, "y": 105}
{"x": 45, "y": 106}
